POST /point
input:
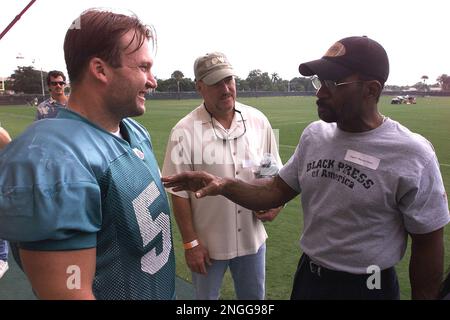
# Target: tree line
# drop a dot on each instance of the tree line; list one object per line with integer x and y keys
{"x": 255, "y": 81}
{"x": 28, "y": 80}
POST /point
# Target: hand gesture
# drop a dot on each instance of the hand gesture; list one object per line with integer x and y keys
{"x": 267, "y": 215}
{"x": 200, "y": 182}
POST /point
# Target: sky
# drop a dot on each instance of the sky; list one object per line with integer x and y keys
{"x": 274, "y": 36}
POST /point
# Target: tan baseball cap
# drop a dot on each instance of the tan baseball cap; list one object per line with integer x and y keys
{"x": 212, "y": 67}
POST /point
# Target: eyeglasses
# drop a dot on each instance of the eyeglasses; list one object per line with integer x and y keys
{"x": 61, "y": 83}
{"x": 230, "y": 137}
{"x": 330, "y": 84}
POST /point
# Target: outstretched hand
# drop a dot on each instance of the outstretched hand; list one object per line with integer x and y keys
{"x": 267, "y": 215}
{"x": 200, "y": 182}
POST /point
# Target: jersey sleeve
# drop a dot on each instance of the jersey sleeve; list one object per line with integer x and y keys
{"x": 49, "y": 199}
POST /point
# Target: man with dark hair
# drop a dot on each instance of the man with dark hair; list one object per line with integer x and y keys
{"x": 56, "y": 82}
{"x": 82, "y": 193}
{"x": 366, "y": 182}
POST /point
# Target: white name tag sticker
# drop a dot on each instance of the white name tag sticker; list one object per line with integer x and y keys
{"x": 362, "y": 159}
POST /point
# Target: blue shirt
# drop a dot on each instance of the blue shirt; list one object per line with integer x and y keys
{"x": 67, "y": 184}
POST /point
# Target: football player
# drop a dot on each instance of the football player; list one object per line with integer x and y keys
{"x": 81, "y": 193}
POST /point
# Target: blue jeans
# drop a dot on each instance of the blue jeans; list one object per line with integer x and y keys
{"x": 3, "y": 250}
{"x": 248, "y": 274}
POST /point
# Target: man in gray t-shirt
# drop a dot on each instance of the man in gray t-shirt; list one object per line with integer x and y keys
{"x": 366, "y": 182}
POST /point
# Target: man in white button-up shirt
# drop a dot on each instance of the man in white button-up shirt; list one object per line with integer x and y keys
{"x": 228, "y": 139}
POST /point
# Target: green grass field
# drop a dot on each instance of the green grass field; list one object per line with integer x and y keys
{"x": 290, "y": 115}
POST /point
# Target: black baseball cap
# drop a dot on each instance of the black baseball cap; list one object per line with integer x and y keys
{"x": 347, "y": 56}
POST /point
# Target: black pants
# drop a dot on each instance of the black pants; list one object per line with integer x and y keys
{"x": 313, "y": 282}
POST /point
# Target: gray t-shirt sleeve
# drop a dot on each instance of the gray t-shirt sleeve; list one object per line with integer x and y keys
{"x": 290, "y": 171}
{"x": 424, "y": 205}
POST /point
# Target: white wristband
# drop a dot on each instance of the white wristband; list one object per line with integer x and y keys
{"x": 190, "y": 245}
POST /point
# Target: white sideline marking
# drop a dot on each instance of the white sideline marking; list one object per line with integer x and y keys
{"x": 288, "y": 146}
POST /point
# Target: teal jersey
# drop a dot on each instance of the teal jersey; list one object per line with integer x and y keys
{"x": 67, "y": 184}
